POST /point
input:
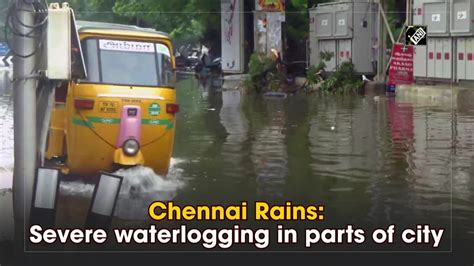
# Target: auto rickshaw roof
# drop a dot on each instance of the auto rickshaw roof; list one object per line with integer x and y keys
{"x": 83, "y": 26}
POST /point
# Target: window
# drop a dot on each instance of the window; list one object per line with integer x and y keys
{"x": 128, "y": 63}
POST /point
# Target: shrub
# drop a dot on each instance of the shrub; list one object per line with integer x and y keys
{"x": 313, "y": 75}
{"x": 263, "y": 74}
{"x": 344, "y": 80}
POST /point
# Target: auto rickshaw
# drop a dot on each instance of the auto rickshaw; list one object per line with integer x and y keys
{"x": 123, "y": 113}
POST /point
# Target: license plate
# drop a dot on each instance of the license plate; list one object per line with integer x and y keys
{"x": 108, "y": 107}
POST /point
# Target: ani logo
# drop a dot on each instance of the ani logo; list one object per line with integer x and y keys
{"x": 416, "y": 35}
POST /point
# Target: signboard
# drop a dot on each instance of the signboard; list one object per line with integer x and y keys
{"x": 436, "y": 17}
{"x": 4, "y": 49}
{"x": 5, "y": 55}
{"x": 232, "y": 39}
{"x": 126, "y": 46}
{"x": 462, "y": 15}
{"x": 401, "y": 65}
{"x": 416, "y": 35}
{"x": 271, "y": 5}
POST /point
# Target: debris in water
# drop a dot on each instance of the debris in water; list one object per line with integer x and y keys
{"x": 275, "y": 95}
{"x": 365, "y": 79}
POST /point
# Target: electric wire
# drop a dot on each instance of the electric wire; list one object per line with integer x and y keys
{"x": 35, "y": 30}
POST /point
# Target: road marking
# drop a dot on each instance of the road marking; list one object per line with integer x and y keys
{"x": 6, "y": 61}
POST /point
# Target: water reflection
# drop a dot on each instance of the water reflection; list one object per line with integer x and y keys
{"x": 269, "y": 151}
{"x": 236, "y": 127}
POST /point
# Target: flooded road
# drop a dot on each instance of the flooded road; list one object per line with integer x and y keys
{"x": 371, "y": 160}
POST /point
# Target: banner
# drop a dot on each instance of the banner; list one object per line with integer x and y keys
{"x": 401, "y": 65}
{"x": 232, "y": 36}
{"x": 271, "y": 5}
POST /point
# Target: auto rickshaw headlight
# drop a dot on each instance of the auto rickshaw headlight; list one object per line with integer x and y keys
{"x": 131, "y": 147}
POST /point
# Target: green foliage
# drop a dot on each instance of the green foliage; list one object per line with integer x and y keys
{"x": 259, "y": 64}
{"x": 185, "y": 20}
{"x": 326, "y": 55}
{"x": 263, "y": 74}
{"x": 296, "y": 14}
{"x": 3, "y": 17}
{"x": 395, "y": 21}
{"x": 97, "y": 10}
{"x": 343, "y": 80}
{"x": 313, "y": 74}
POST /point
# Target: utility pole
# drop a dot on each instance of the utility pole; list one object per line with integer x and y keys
{"x": 24, "y": 104}
{"x": 409, "y": 15}
{"x": 383, "y": 32}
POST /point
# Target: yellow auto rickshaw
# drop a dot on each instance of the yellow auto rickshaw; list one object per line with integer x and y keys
{"x": 123, "y": 113}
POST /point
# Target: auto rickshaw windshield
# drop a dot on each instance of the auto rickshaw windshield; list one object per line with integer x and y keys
{"x": 128, "y": 63}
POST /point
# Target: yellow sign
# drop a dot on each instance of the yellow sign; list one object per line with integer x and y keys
{"x": 108, "y": 107}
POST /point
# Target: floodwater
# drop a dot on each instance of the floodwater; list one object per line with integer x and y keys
{"x": 371, "y": 160}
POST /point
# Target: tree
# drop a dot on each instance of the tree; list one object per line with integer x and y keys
{"x": 296, "y": 29}
{"x": 3, "y": 17}
{"x": 183, "y": 19}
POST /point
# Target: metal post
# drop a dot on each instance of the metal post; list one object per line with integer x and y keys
{"x": 409, "y": 14}
{"x": 387, "y": 25}
{"x": 24, "y": 97}
{"x": 381, "y": 75}
{"x": 381, "y": 40}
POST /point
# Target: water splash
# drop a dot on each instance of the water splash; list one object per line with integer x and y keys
{"x": 76, "y": 189}
{"x": 140, "y": 187}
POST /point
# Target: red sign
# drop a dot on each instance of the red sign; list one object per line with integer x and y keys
{"x": 401, "y": 65}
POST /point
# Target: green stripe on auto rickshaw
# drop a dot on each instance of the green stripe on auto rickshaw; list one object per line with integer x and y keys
{"x": 158, "y": 122}
{"x": 114, "y": 121}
